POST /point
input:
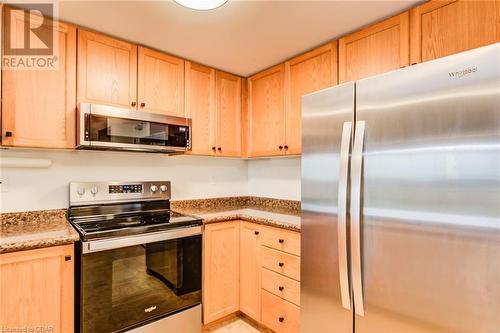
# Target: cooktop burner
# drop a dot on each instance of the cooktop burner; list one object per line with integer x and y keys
{"x": 123, "y": 219}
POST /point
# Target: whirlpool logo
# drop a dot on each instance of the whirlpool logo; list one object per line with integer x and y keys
{"x": 462, "y": 73}
{"x": 150, "y": 309}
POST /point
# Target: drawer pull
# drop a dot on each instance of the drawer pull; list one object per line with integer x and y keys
{"x": 281, "y": 264}
{"x": 281, "y": 319}
{"x": 256, "y": 232}
{"x": 281, "y": 288}
{"x": 281, "y": 241}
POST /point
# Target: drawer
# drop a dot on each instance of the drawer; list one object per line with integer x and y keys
{"x": 283, "y": 240}
{"x": 281, "y": 262}
{"x": 281, "y": 286}
{"x": 280, "y": 315}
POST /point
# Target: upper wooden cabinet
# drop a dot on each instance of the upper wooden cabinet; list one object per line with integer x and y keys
{"x": 107, "y": 70}
{"x": 379, "y": 48}
{"x": 266, "y": 118}
{"x": 160, "y": 83}
{"x": 309, "y": 72}
{"x": 39, "y": 105}
{"x": 221, "y": 260}
{"x": 250, "y": 271}
{"x": 37, "y": 289}
{"x": 441, "y": 28}
{"x": 213, "y": 102}
{"x": 200, "y": 107}
{"x": 228, "y": 106}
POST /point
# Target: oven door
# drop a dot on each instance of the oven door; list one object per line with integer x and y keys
{"x": 122, "y": 287}
{"x": 106, "y": 127}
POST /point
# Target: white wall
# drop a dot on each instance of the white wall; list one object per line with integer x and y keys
{"x": 47, "y": 188}
{"x": 25, "y": 189}
{"x": 274, "y": 178}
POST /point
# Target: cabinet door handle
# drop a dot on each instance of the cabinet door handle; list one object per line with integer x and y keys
{"x": 143, "y": 105}
{"x": 219, "y": 149}
{"x": 281, "y": 319}
{"x": 281, "y": 264}
{"x": 286, "y": 147}
{"x": 256, "y": 232}
{"x": 281, "y": 241}
{"x": 133, "y": 103}
{"x": 67, "y": 258}
{"x": 281, "y": 288}
{"x": 8, "y": 134}
{"x": 280, "y": 147}
{"x": 213, "y": 148}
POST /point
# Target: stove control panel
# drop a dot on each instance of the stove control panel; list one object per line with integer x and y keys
{"x": 85, "y": 193}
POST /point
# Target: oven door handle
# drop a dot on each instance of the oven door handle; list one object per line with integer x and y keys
{"x": 115, "y": 243}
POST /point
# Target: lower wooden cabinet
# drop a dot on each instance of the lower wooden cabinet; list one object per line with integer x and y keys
{"x": 244, "y": 272}
{"x": 36, "y": 289}
{"x": 280, "y": 315}
{"x": 250, "y": 271}
{"x": 221, "y": 262}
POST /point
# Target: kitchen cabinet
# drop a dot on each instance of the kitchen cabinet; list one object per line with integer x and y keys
{"x": 160, "y": 83}
{"x": 221, "y": 265}
{"x": 250, "y": 271}
{"x": 39, "y": 105}
{"x": 379, "y": 48}
{"x": 200, "y": 107}
{"x": 266, "y": 112}
{"x": 441, "y": 28}
{"x": 37, "y": 290}
{"x": 228, "y": 106}
{"x": 107, "y": 70}
{"x": 309, "y": 72}
{"x": 213, "y": 102}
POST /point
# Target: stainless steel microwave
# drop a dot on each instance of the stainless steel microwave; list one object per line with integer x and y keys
{"x": 111, "y": 128}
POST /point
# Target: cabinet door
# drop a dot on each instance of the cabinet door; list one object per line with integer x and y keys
{"x": 250, "y": 270}
{"x": 441, "y": 28}
{"x": 39, "y": 105}
{"x": 377, "y": 49}
{"x": 107, "y": 70}
{"x": 37, "y": 290}
{"x": 200, "y": 107}
{"x": 161, "y": 83}
{"x": 228, "y": 115}
{"x": 266, "y": 112}
{"x": 221, "y": 270}
{"x": 312, "y": 71}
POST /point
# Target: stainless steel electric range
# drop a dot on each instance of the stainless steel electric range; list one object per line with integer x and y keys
{"x": 138, "y": 263}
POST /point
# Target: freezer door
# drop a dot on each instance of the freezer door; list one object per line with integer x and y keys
{"x": 430, "y": 197}
{"x": 326, "y": 135}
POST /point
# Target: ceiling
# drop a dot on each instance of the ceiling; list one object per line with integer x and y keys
{"x": 241, "y": 37}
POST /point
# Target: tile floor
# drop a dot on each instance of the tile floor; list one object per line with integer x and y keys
{"x": 237, "y": 326}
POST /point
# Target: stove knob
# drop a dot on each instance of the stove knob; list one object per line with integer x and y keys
{"x": 163, "y": 188}
{"x": 94, "y": 189}
{"x": 80, "y": 190}
{"x": 153, "y": 188}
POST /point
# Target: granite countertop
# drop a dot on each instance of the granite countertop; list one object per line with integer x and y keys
{"x": 273, "y": 212}
{"x": 31, "y": 230}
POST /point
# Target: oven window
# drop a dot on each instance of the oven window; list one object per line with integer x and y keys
{"x": 119, "y": 130}
{"x": 124, "y": 287}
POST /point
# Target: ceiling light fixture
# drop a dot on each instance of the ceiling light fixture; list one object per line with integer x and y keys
{"x": 201, "y": 4}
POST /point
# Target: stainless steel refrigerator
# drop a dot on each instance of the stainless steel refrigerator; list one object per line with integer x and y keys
{"x": 401, "y": 200}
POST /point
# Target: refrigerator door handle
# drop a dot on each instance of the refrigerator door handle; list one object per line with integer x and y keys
{"x": 356, "y": 171}
{"x": 342, "y": 215}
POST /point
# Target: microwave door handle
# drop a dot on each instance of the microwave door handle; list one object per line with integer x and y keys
{"x": 356, "y": 174}
{"x": 342, "y": 215}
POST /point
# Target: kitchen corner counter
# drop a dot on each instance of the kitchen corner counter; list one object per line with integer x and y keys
{"x": 32, "y": 230}
{"x": 273, "y": 212}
